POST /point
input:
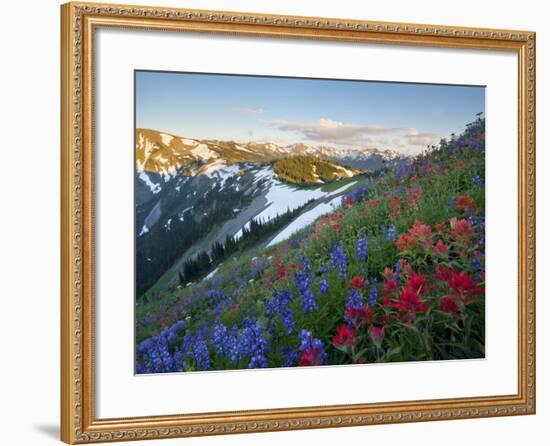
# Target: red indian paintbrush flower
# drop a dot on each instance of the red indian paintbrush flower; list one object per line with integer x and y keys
{"x": 417, "y": 283}
{"x": 461, "y": 230}
{"x": 422, "y": 233}
{"x": 464, "y": 285}
{"x": 377, "y": 335}
{"x": 345, "y": 336}
{"x": 358, "y": 315}
{"x": 358, "y": 282}
{"x": 282, "y": 271}
{"x": 449, "y": 305}
{"x": 404, "y": 242}
{"x": 439, "y": 227}
{"x": 309, "y": 357}
{"x": 441, "y": 249}
{"x": 465, "y": 203}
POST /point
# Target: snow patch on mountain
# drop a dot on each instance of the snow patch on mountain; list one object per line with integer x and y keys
{"x": 166, "y": 139}
{"x": 306, "y": 219}
{"x": 154, "y": 187}
{"x": 188, "y": 142}
{"x": 203, "y": 152}
{"x": 144, "y": 230}
{"x": 147, "y": 147}
{"x": 282, "y": 198}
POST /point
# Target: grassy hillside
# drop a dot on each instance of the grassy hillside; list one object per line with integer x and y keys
{"x": 303, "y": 169}
{"x": 395, "y": 274}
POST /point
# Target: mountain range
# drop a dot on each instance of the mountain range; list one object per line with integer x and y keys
{"x": 166, "y": 154}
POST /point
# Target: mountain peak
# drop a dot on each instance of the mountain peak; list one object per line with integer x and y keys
{"x": 167, "y": 154}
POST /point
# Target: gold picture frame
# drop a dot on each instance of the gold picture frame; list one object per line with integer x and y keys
{"x": 78, "y": 24}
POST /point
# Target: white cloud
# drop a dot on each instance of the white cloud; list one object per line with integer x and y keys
{"x": 250, "y": 110}
{"x": 421, "y": 139}
{"x": 330, "y": 131}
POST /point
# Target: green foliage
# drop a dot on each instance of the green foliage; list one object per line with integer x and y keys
{"x": 304, "y": 169}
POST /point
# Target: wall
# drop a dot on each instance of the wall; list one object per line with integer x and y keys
{"x": 29, "y": 227}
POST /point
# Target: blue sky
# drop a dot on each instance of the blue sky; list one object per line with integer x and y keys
{"x": 400, "y": 116}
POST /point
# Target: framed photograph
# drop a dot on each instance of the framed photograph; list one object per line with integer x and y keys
{"x": 276, "y": 223}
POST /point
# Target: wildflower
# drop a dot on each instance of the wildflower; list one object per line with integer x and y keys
{"x": 373, "y": 294}
{"x": 391, "y": 285}
{"x": 362, "y": 246}
{"x": 253, "y": 344}
{"x": 413, "y": 197}
{"x": 405, "y": 242}
{"x": 441, "y": 248}
{"x": 476, "y": 180}
{"x": 355, "y": 300}
{"x": 290, "y": 356}
{"x": 461, "y": 230}
{"x": 278, "y": 306}
{"x": 422, "y": 233}
{"x": 338, "y": 260}
{"x": 306, "y": 265}
{"x": 154, "y": 357}
{"x": 419, "y": 235}
{"x": 358, "y": 315}
{"x": 377, "y": 335}
{"x": 323, "y": 286}
{"x": 282, "y": 272}
{"x": 358, "y": 282}
{"x": 448, "y": 305}
{"x": 409, "y": 303}
{"x": 465, "y": 203}
{"x": 391, "y": 233}
{"x": 345, "y": 336}
{"x": 395, "y": 206}
{"x": 307, "y": 298}
{"x": 463, "y": 284}
{"x": 199, "y": 352}
{"x": 224, "y": 341}
{"x": 417, "y": 283}
{"x": 311, "y": 350}
{"x": 359, "y": 194}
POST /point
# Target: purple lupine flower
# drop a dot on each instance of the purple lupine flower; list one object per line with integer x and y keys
{"x": 290, "y": 356}
{"x": 373, "y": 293}
{"x": 355, "y": 301}
{"x": 362, "y": 246}
{"x": 403, "y": 170}
{"x": 278, "y": 306}
{"x": 306, "y": 265}
{"x": 477, "y": 180}
{"x": 356, "y": 195}
{"x": 338, "y": 260}
{"x": 153, "y": 354}
{"x": 307, "y": 298}
{"x": 253, "y": 344}
{"x": 311, "y": 350}
{"x": 391, "y": 233}
{"x": 224, "y": 340}
{"x": 200, "y": 353}
{"x": 323, "y": 286}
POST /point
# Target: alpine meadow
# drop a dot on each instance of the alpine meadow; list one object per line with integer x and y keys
{"x": 284, "y": 222}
